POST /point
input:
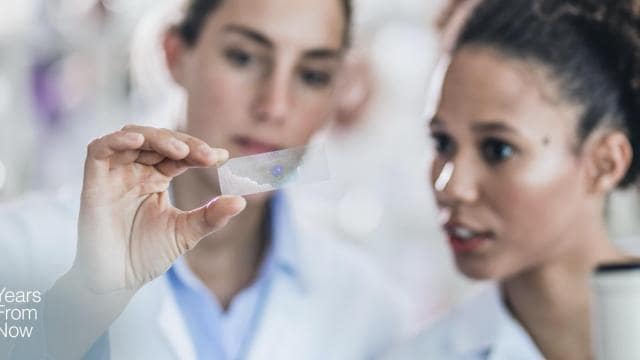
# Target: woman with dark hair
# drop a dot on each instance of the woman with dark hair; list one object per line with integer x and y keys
{"x": 259, "y": 77}
{"x": 538, "y": 121}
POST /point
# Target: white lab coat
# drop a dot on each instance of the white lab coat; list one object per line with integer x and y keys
{"x": 345, "y": 310}
{"x": 481, "y": 329}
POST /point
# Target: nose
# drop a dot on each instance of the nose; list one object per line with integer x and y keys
{"x": 455, "y": 184}
{"x": 273, "y": 101}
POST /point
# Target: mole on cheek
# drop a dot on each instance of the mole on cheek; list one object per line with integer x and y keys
{"x": 546, "y": 141}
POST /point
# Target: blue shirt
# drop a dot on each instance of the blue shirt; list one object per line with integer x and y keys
{"x": 219, "y": 334}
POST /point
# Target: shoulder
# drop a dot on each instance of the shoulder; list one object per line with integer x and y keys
{"x": 469, "y": 329}
{"x": 38, "y": 233}
{"x": 431, "y": 343}
{"x": 40, "y": 213}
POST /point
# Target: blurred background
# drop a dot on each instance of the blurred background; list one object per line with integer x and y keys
{"x": 72, "y": 70}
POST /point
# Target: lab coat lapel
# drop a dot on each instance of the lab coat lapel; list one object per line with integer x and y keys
{"x": 281, "y": 331}
{"x": 512, "y": 341}
{"x": 173, "y": 328}
{"x": 475, "y": 326}
{"x": 151, "y": 327}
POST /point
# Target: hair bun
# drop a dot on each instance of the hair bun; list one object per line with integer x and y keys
{"x": 617, "y": 21}
{"x": 619, "y": 17}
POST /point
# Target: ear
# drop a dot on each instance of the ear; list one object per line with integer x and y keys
{"x": 174, "y": 51}
{"x": 610, "y": 158}
{"x": 353, "y": 90}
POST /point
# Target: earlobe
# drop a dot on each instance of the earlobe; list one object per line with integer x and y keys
{"x": 353, "y": 90}
{"x": 611, "y": 160}
{"x": 173, "y": 50}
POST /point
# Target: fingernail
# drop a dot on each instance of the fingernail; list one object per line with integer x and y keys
{"x": 179, "y": 145}
{"x": 205, "y": 149}
{"x": 222, "y": 154}
{"x": 243, "y": 203}
{"x": 133, "y": 136}
{"x": 242, "y": 200}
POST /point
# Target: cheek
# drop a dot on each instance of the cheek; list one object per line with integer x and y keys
{"x": 309, "y": 113}
{"x": 527, "y": 207}
{"x": 535, "y": 207}
{"x": 224, "y": 91}
{"x": 218, "y": 102}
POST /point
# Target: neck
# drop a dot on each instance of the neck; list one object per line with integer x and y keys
{"x": 228, "y": 260}
{"x": 552, "y": 301}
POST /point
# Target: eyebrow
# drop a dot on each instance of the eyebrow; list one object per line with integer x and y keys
{"x": 320, "y": 54}
{"x": 492, "y": 126}
{"x": 250, "y": 34}
{"x": 480, "y": 127}
{"x": 262, "y": 40}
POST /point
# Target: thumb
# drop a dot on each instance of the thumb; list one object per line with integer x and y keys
{"x": 194, "y": 225}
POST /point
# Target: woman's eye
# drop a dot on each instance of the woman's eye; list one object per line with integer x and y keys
{"x": 443, "y": 144}
{"x": 238, "y": 57}
{"x": 496, "y": 151}
{"x": 315, "y": 78}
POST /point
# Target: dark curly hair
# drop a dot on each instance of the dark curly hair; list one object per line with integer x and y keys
{"x": 197, "y": 12}
{"x": 591, "y": 46}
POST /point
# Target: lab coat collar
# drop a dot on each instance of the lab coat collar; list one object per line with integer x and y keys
{"x": 284, "y": 235}
{"x": 286, "y": 259}
{"x": 485, "y": 326}
{"x": 476, "y": 324}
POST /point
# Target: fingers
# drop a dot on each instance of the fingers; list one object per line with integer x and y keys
{"x": 150, "y": 158}
{"x": 201, "y": 153}
{"x": 102, "y": 149}
{"x": 172, "y": 168}
{"x": 160, "y": 141}
{"x": 176, "y": 146}
{"x": 194, "y": 225}
{"x": 169, "y": 152}
{"x": 124, "y": 158}
{"x": 107, "y": 146}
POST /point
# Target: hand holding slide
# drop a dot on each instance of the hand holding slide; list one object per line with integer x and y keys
{"x": 129, "y": 233}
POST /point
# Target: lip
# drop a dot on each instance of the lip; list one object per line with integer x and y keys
{"x": 471, "y": 245}
{"x": 251, "y": 146}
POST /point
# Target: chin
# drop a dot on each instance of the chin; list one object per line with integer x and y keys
{"x": 477, "y": 269}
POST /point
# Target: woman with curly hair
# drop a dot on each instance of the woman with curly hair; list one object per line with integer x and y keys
{"x": 538, "y": 121}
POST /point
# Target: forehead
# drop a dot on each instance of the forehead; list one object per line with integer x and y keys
{"x": 300, "y": 23}
{"x": 483, "y": 84}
